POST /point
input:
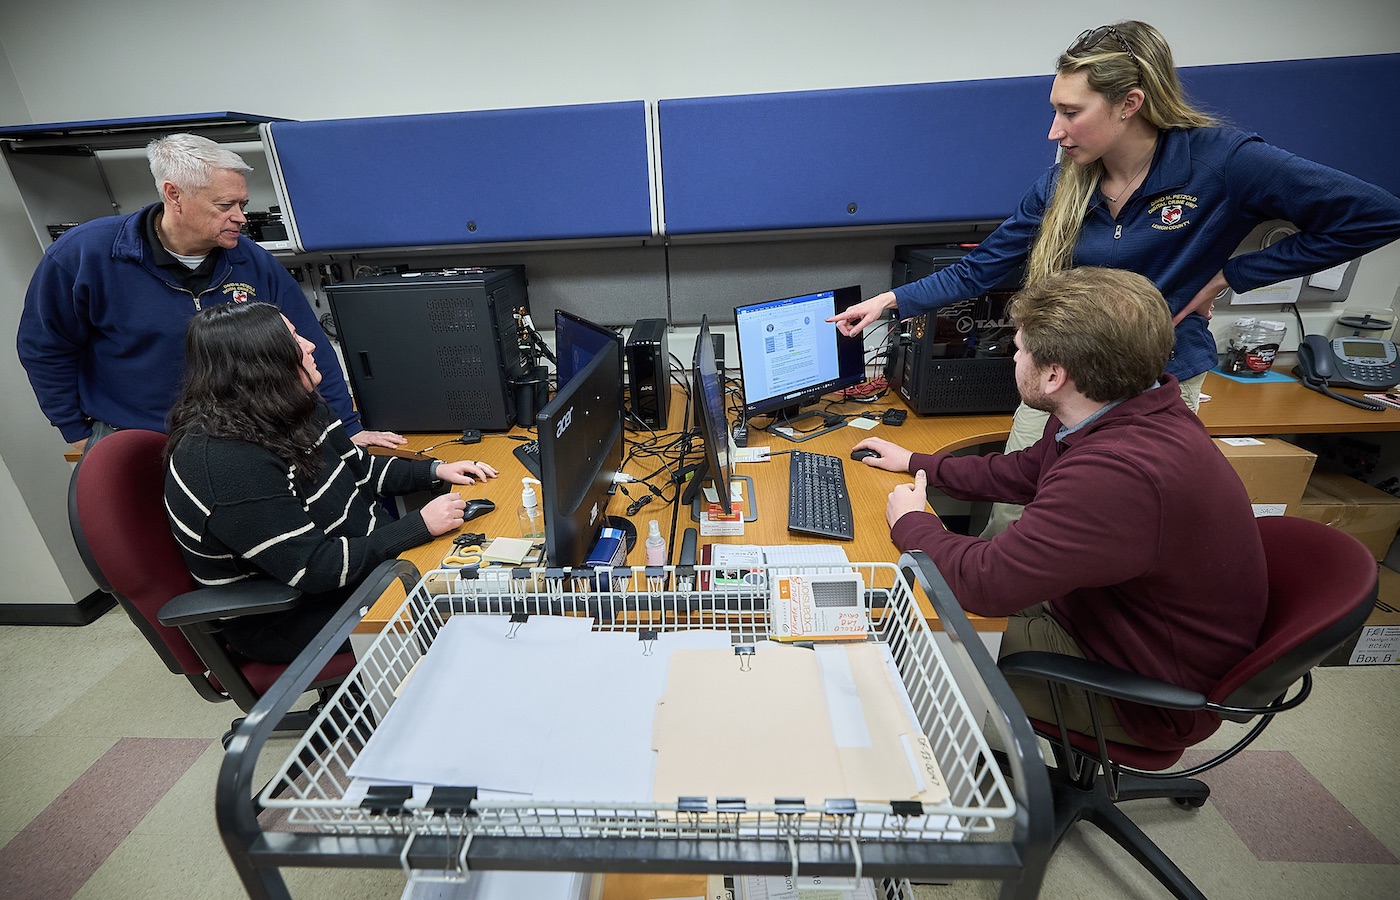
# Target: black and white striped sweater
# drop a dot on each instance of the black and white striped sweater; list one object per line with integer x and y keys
{"x": 238, "y": 511}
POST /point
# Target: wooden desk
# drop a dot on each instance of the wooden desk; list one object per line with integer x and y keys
{"x": 1235, "y": 408}
{"x": 1276, "y": 407}
{"x": 869, "y": 488}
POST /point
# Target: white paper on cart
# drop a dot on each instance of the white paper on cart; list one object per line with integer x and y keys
{"x": 556, "y": 711}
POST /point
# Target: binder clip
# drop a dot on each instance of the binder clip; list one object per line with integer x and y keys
{"x": 516, "y": 620}
{"x": 745, "y": 653}
{"x": 648, "y": 639}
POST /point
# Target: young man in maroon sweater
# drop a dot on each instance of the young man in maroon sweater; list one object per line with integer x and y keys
{"x": 1138, "y": 546}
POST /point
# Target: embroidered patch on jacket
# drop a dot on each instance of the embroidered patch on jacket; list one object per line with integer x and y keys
{"x": 1173, "y": 212}
{"x": 239, "y": 292}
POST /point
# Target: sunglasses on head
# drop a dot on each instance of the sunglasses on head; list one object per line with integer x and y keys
{"x": 1091, "y": 38}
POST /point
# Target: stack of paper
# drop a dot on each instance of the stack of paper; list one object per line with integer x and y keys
{"x": 829, "y": 723}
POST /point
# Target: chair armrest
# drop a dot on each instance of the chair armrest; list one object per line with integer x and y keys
{"x": 1100, "y": 678}
{"x": 245, "y": 598}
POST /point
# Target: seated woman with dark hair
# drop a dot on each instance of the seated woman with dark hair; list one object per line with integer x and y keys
{"x": 263, "y": 481}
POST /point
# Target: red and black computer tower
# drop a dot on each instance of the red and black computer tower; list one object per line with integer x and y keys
{"x": 958, "y": 359}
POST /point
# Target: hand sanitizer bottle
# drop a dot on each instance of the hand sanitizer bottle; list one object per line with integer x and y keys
{"x": 531, "y": 515}
{"x": 656, "y": 546}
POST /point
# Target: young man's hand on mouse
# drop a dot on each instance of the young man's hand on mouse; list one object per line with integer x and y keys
{"x": 892, "y": 458}
{"x": 467, "y": 471}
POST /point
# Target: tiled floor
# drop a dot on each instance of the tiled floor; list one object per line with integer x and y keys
{"x": 107, "y": 767}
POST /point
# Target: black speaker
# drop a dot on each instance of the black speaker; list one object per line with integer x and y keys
{"x": 649, "y": 372}
{"x": 531, "y": 394}
{"x": 959, "y": 359}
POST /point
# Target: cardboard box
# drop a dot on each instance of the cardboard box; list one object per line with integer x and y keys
{"x": 1275, "y": 473}
{"x": 1351, "y": 505}
{"x": 1378, "y": 641}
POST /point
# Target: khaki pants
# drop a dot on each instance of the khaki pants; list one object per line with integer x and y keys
{"x": 1033, "y": 629}
{"x": 1028, "y": 425}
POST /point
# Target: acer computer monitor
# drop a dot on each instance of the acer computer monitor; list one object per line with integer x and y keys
{"x": 789, "y": 355}
{"x": 580, "y": 437}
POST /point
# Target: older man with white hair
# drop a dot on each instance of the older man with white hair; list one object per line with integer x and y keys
{"x": 103, "y": 328}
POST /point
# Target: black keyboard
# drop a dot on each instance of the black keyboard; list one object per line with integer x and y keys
{"x": 818, "y": 502}
{"x": 529, "y": 454}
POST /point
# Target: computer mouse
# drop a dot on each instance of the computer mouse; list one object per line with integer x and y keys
{"x": 477, "y": 507}
{"x": 861, "y": 453}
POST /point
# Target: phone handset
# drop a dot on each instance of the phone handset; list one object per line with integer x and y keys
{"x": 1315, "y": 359}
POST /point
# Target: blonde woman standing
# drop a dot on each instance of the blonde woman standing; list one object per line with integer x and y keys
{"x": 1148, "y": 183}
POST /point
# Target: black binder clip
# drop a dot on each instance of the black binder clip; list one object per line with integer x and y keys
{"x": 648, "y": 639}
{"x": 904, "y": 810}
{"x": 728, "y": 810}
{"x": 452, "y": 801}
{"x": 745, "y": 653}
{"x": 387, "y": 799}
{"x": 516, "y": 620}
{"x": 692, "y": 808}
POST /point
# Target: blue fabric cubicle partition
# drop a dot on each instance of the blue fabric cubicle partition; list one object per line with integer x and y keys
{"x": 948, "y": 152}
{"x": 1343, "y": 111}
{"x": 968, "y": 150}
{"x": 493, "y": 176}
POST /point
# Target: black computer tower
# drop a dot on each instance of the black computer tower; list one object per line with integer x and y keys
{"x": 959, "y": 359}
{"x": 649, "y": 372}
{"x": 433, "y": 351}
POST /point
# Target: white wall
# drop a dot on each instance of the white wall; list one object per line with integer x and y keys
{"x": 320, "y": 59}
{"x": 83, "y": 59}
{"x": 38, "y": 563}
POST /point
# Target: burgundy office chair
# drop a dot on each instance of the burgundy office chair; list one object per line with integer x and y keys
{"x": 128, "y": 545}
{"x": 1322, "y": 586}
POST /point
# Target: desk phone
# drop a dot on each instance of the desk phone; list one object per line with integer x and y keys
{"x": 1353, "y": 362}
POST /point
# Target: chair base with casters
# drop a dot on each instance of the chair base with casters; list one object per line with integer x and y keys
{"x": 1322, "y": 586}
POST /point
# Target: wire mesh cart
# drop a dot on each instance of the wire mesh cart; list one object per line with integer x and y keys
{"x": 991, "y": 826}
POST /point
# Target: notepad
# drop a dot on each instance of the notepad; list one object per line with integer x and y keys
{"x": 512, "y": 551}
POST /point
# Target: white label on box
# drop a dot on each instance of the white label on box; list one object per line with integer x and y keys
{"x": 1379, "y": 645}
{"x": 713, "y": 523}
{"x": 1269, "y": 509}
{"x": 1241, "y": 442}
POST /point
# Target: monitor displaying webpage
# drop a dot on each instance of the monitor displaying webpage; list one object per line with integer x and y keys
{"x": 787, "y": 345}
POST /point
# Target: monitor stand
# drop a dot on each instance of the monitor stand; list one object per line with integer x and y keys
{"x": 748, "y": 507}
{"x": 782, "y": 425}
{"x": 694, "y": 494}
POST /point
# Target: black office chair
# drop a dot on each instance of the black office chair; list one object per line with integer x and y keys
{"x": 1322, "y": 586}
{"x": 127, "y": 544}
